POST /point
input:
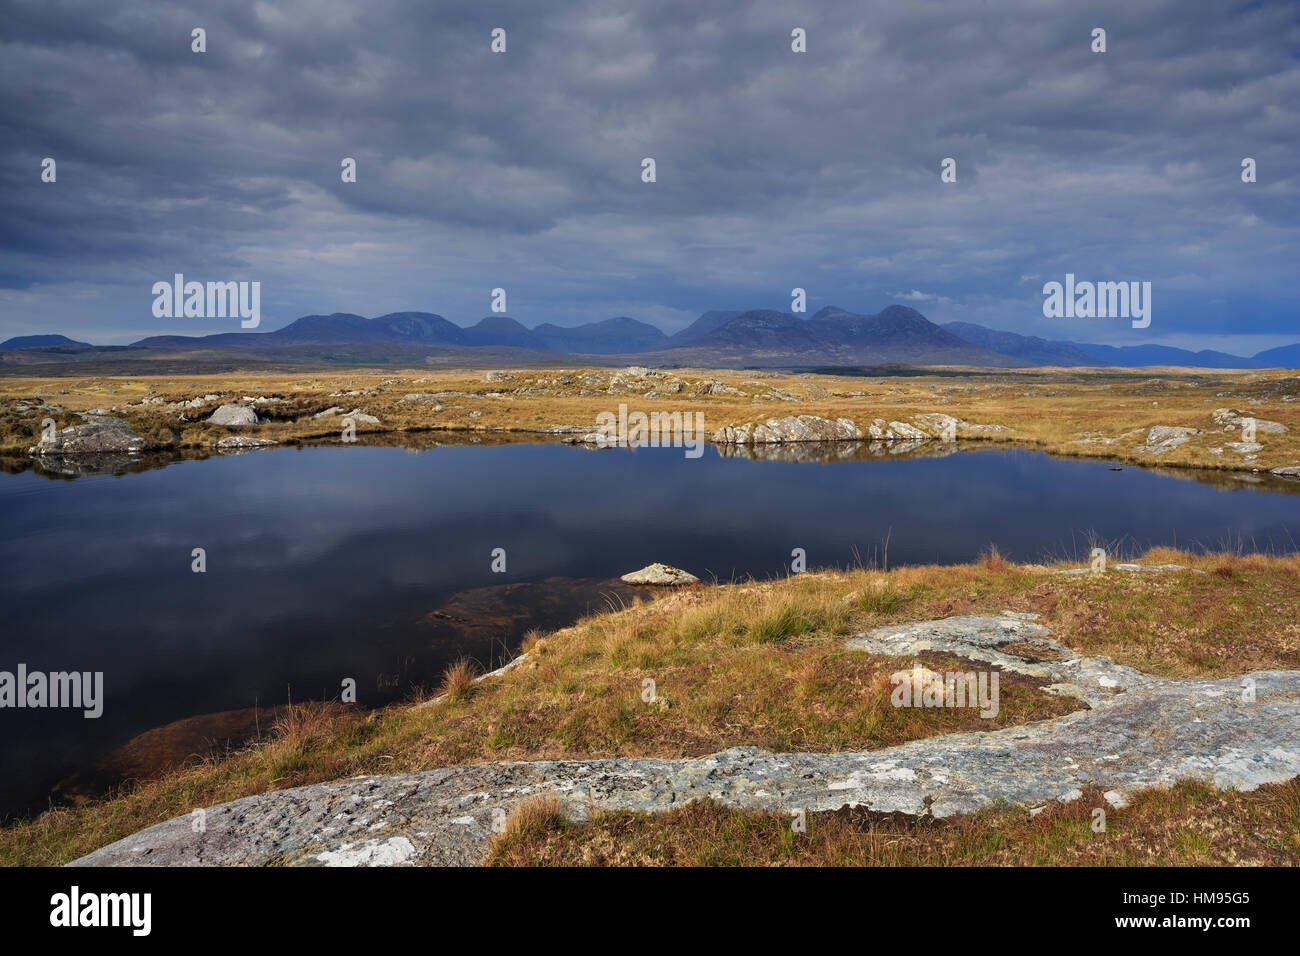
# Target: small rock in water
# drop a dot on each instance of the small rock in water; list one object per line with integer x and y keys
{"x": 661, "y": 574}
{"x": 243, "y": 442}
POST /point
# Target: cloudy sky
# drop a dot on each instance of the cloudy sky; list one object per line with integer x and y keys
{"x": 775, "y": 169}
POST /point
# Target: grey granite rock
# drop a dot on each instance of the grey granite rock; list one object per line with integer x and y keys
{"x": 1231, "y": 418}
{"x": 244, "y": 443}
{"x": 102, "y": 434}
{"x": 663, "y": 575}
{"x": 1132, "y": 568}
{"x": 793, "y": 429}
{"x": 233, "y": 414}
{"x": 1162, "y": 438}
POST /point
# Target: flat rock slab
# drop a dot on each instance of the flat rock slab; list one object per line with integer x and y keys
{"x": 1140, "y": 731}
{"x": 1132, "y": 569}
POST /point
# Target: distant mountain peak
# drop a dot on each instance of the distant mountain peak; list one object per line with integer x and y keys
{"x": 38, "y": 342}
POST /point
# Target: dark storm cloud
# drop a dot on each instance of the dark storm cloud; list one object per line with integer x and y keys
{"x": 775, "y": 169}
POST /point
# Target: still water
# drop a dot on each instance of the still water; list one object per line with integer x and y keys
{"x": 326, "y": 563}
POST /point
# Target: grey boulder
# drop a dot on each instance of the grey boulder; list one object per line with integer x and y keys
{"x": 664, "y": 575}
{"x": 233, "y": 415}
{"x": 103, "y": 434}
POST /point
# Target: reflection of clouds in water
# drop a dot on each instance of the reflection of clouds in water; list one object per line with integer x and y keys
{"x": 296, "y": 536}
{"x": 320, "y": 559}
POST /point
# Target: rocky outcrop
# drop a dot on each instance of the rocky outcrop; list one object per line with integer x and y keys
{"x": 811, "y": 428}
{"x": 662, "y": 575}
{"x": 1231, "y": 418}
{"x": 1139, "y": 731}
{"x": 894, "y": 431}
{"x": 1289, "y": 471}
{"x": 1132, "y": 568}
{"x": 357, "y": 415}
{"x": 233, "y": 415}
{"x": 593, "y": 440}
{"x": 792, "y": 429}
{"x": 1162, "y": 438}
{"x": 102, "y": 434}
{"x": 243, "y": 443}
{"x": 421, "y": 398}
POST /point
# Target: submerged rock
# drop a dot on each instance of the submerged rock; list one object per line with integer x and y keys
{"x": 664, "y": 575}
{"x": 103, "y": 434}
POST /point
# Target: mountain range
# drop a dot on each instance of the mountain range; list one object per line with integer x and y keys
{"x": 755, "y": 337}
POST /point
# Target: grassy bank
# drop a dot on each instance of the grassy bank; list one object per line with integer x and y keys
{"x": 759, "y": 664}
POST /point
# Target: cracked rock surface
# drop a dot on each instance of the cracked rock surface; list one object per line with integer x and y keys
{"x": 1138, "y": 731}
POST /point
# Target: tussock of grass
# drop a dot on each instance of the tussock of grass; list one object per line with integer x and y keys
{"x": 531, "y": 818}
{"x": 992, "y": 559}
{"x": 753, "y": 663}
{"x": 458, "y": 681}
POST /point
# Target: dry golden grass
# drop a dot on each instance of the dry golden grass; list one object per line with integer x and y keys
{"x": 1191, "y": 824}
{"x": 755, "y": 663}
{"x": 529, "y": 819}
{"x": 458, "y": 680}
{"x": 1044, "y": 408}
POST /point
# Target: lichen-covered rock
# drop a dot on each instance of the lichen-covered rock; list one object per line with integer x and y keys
{"x": 1137, "y": 568}
{"x": 792, "y": 429}
{"x": 243, "y": 443}
{"x": 1140, "y": 731}
{"x": 881, "y": 430}
{"x": 937, "y": 424}
{"x": 233, "y": 415}
{"x": 664, "y": 575}
{"x": 1231, "y": 418}
{"x": 102, "y": 434}
{"x": 420, "y": 398}
{"x": 1162, "y": 438}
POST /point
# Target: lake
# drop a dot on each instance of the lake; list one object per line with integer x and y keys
{"x": 375, "y": 563}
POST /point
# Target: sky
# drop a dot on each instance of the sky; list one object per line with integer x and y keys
{"x": 775, "y": 169}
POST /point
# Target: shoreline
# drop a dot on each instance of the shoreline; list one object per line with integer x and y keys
{"x": 593, "y": 664}
{"x": 1176, "y": 419}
